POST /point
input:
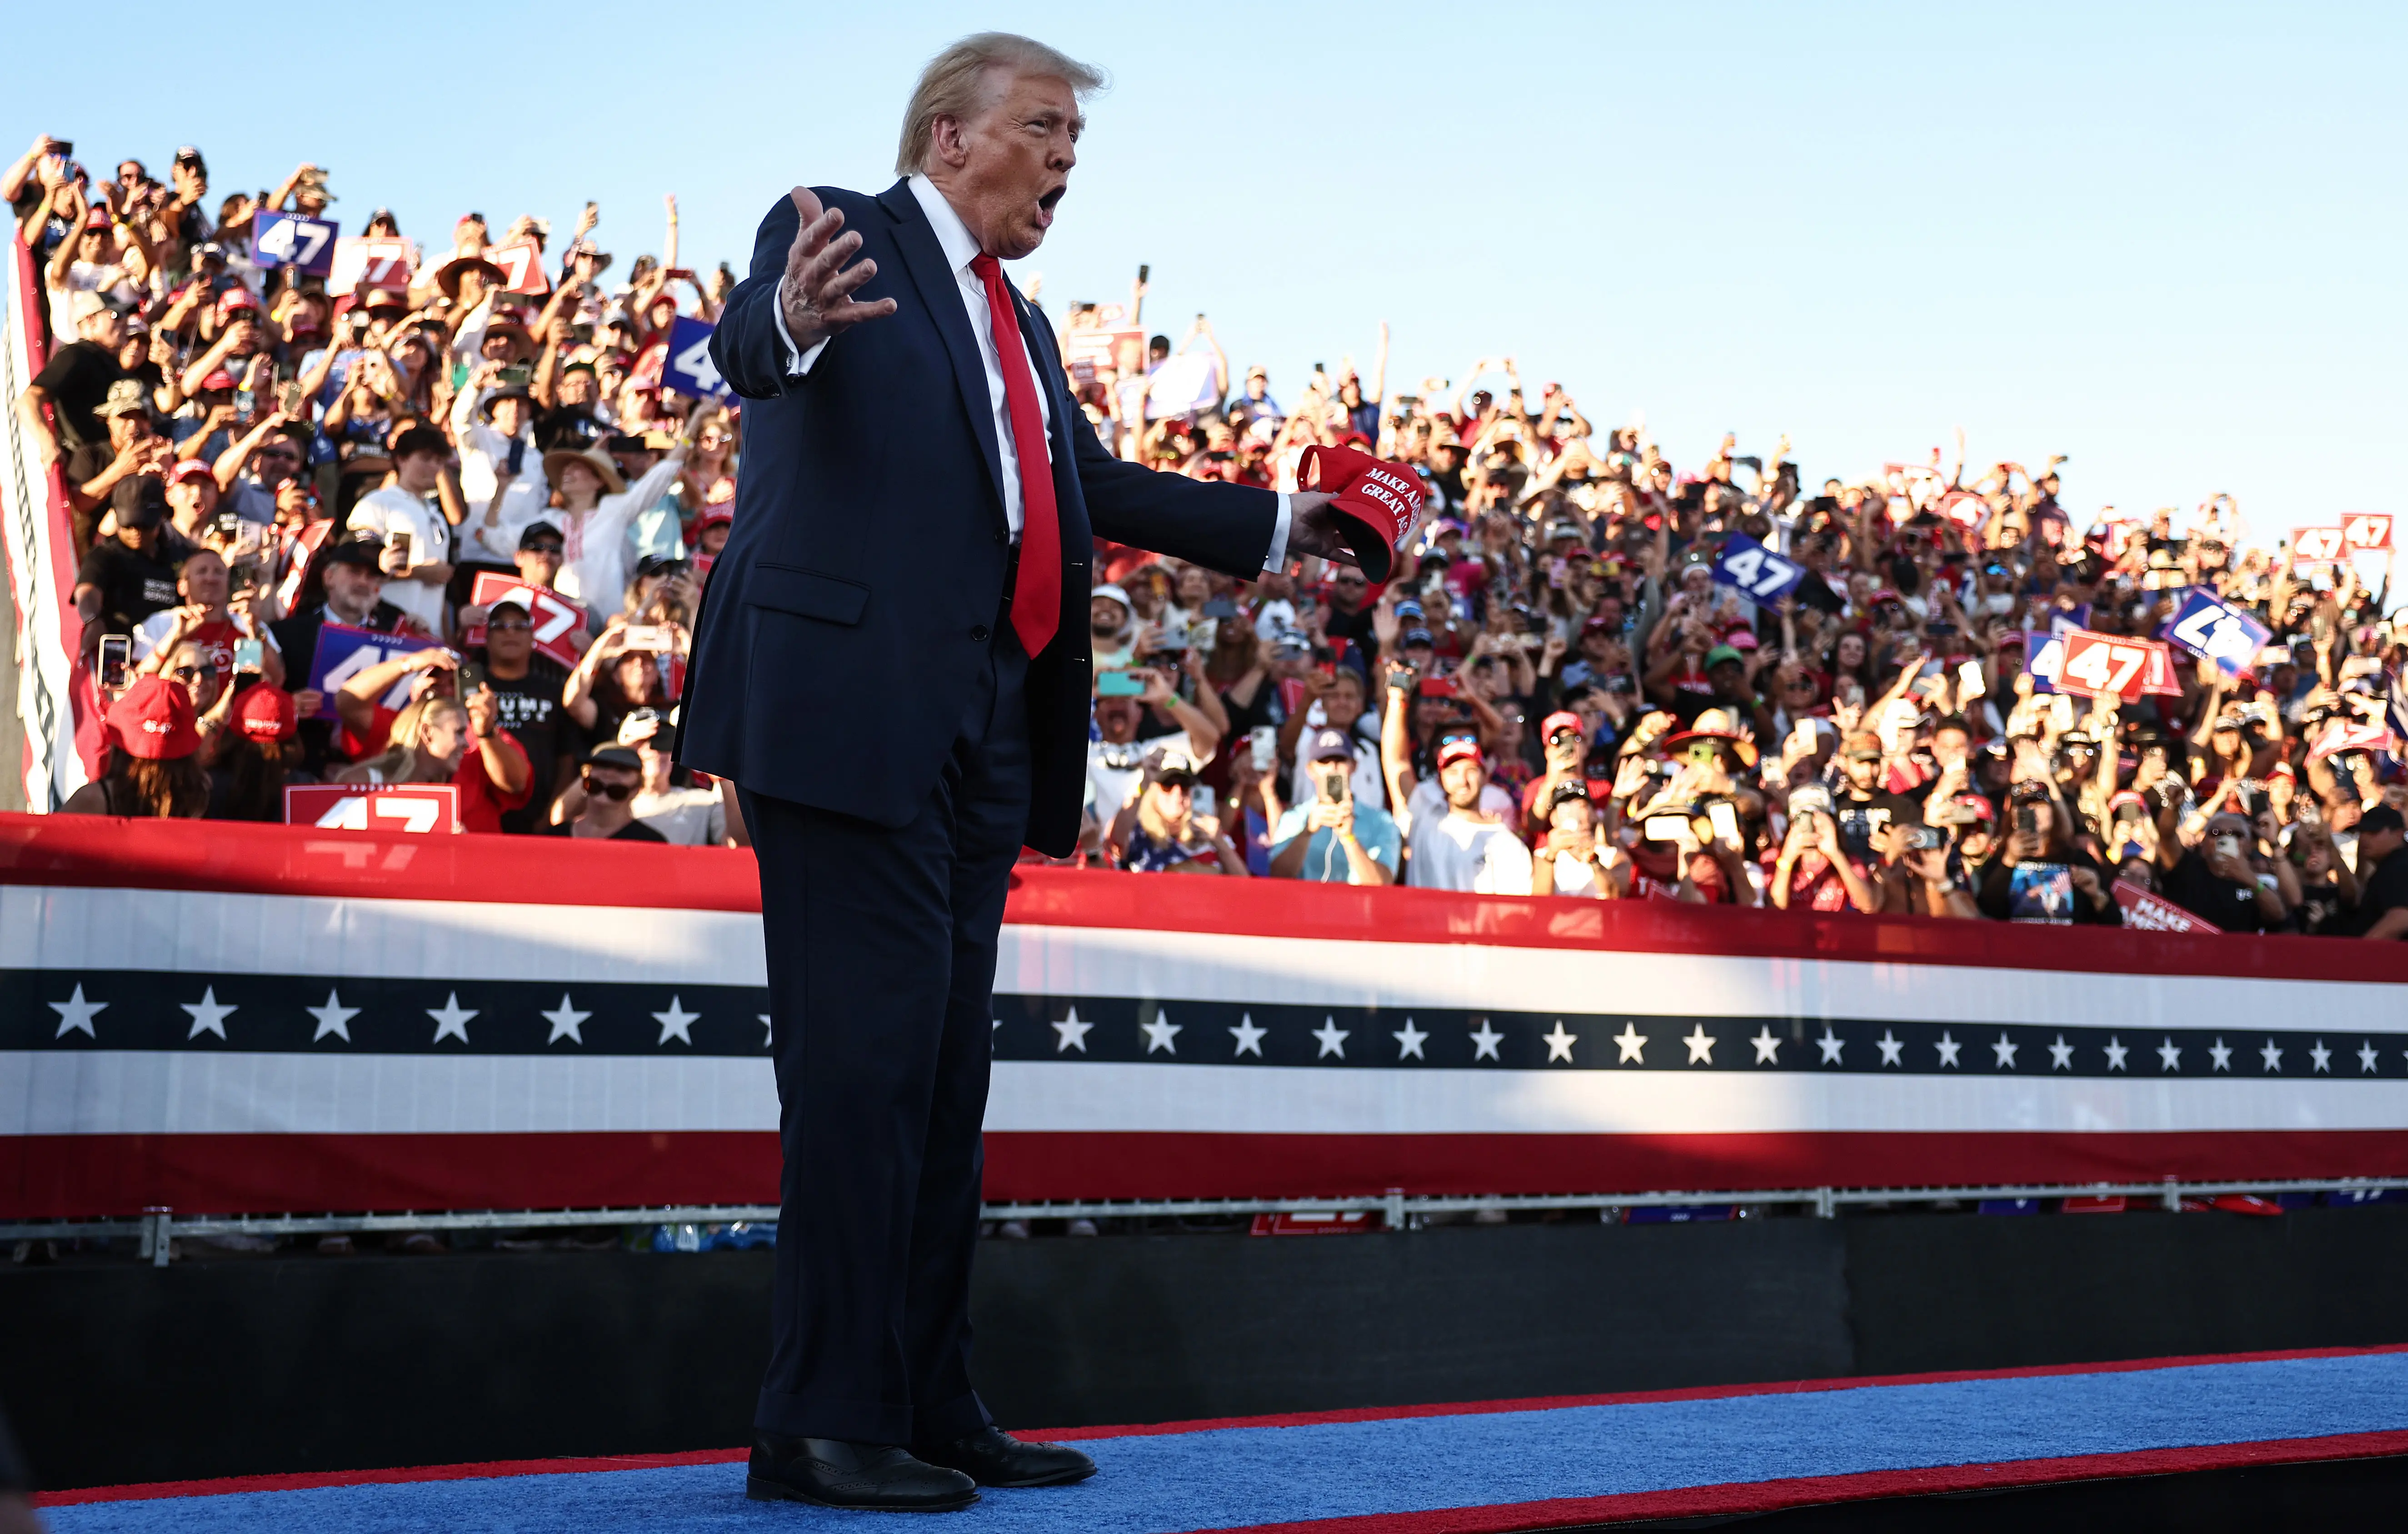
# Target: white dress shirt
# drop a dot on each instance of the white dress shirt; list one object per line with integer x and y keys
{"x": 961, "y": 247}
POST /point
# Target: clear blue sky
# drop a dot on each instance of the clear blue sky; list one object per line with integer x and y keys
{"x": 2165, "y": 240}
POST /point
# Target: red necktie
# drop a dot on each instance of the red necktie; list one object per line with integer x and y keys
{"x": 1037, "y": 595}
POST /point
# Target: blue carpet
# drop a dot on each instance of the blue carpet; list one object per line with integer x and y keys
{"x": 1241, "y": 1476}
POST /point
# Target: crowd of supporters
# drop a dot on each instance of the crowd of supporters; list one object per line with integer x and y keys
{"x": 1598, "y": 675}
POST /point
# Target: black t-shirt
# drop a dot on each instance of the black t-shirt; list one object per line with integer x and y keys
{"x": 1858, "y": 816}
{"x": 2385, "y": 889}
{"x": 78, "y": 377}
{"x": 530, "y": 709}
{"x": 133, "y": 584}
{"x": 2226, "y": 903}
{"x": 634, "y": 830}
{"x": 1996, "y": 893}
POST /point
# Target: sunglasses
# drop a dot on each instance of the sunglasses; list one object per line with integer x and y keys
{"x": 615, "y": 793}
{"x": 1176, "y": 785}
{"x": 555, "y": 550}
{"x": 511, "y": 626}
{"x": 188, "y": 673}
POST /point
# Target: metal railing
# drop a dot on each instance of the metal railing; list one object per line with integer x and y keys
{"x": 157, "y": 1228}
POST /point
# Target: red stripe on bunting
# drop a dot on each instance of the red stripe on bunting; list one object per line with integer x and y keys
{"x": 89, "y": 850}
{"x": 78, "y": 1176}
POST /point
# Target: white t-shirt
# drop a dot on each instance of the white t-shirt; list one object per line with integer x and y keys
{"x": 1428, "y": 802}
{"x": 1575, "y": 878}
{"x": 1455, "y": 851}
{"x": 394, "y": 509}
{"x": 1113, "y": 770}
{"x": 689, "y": 817}
{"x": 595, "y": 563}
{"x": 483, "y": 455}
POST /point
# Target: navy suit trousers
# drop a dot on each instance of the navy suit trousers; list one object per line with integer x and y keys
{"x": 881, "y": 949}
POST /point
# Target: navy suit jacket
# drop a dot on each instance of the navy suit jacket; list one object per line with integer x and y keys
{"x": 845, "y": 625}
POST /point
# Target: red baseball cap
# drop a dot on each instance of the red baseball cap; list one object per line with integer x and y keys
{"x": 268, "y": 714}
{"x": 1458, "y": 748}
{"x": 1378, "y": 503}
{"x": 234, "y": 298}
{"x": 717, "y": 513}
{"x": 153, "y": 720}
{"x": 1562, "y": 718}
{"x": 190, "y": 468}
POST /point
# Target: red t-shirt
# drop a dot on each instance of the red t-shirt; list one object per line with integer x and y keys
{"x": 1814, "y": 883}
{"x": 482, "y": 801}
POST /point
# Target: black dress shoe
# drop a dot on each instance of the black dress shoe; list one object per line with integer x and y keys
{"x": 995, "y": 1458}
{"x": 830, "y": 1472}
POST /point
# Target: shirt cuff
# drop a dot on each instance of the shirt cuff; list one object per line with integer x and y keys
{"x": 1275, "y": 560}
{"x": 800, "y": 362}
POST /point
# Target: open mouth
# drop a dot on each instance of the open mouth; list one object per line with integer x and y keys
{"x": 1046, "y": 202}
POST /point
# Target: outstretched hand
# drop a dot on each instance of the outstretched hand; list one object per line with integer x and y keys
{"x": 1313, "y": 526}
{"x": 816, "y": 297}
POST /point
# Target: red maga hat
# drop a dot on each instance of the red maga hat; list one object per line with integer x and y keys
{"x": 153, "y": 720}
{"x": 268, "y": 714}
{"x": 1378, "y": 503}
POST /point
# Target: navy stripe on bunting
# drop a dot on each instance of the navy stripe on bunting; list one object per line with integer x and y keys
{"x": 149, "y": 1009}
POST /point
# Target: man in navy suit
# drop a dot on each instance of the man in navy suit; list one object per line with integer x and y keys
{"x": 892, "y": 664}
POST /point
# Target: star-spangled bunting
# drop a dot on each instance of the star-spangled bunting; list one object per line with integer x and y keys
{"x": 566, "y": 1022}
{"x": 76, "y": 1014}
{"x": 164, "y": 1011}
{"x": 208, "y": 1014}
{"x": 677, "y": 1023}
{"x": 333, "y": 1018}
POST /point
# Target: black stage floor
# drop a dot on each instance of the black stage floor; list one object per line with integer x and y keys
{"x": 118, "y": 1373}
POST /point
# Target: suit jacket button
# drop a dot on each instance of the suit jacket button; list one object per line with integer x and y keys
{"x": 979, "y": 633}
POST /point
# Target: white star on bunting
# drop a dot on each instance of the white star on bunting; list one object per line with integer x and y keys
{"x": 334, "y": 1017}
{"x": 677, "y": 1023}
{"x": 76, "y": 1014}
{"x": 1893, "y": 1049}
{"x": 769, "y": 1033}
{"x": 2005, "y": 1050}
{"x": 1072, "y": 1034}
{"x": 1409, "y": 1040}
{"x": 1484, "y": 1042}
{"x": 2170, "y": 1055}
{"x": 1700, "y": 1043}
{"x": 1559, "y": 1043}
{"x": 1332, "y": 1037}
{"x": 1250, "y": 1038}
{"x": 1160, "y": 1034}
{"x": 2365, "y": 1056}
{"x": 1831, "y": 1044}
{"x": 2115, "y": 1052}
{"x": 452, "y": 1019}
{"x": 1948, "y": 1048}
{"x": 2272, "y": 1055}
{"x": 2321, "y": 1057}
{"x": 208, "y": 1014}
{"x": 2060, "y": 1054}
{"x": 2219, "y": 1055}
{"x": 1632, "y": 1043}
{"x": 1767, "y": 1047}
{"x": 566, "y": 1021}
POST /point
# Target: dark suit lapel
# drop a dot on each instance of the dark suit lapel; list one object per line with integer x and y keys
{"x": 925, "y": 260}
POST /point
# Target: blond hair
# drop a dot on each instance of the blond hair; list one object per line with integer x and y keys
{"x": 955, "y": 84}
